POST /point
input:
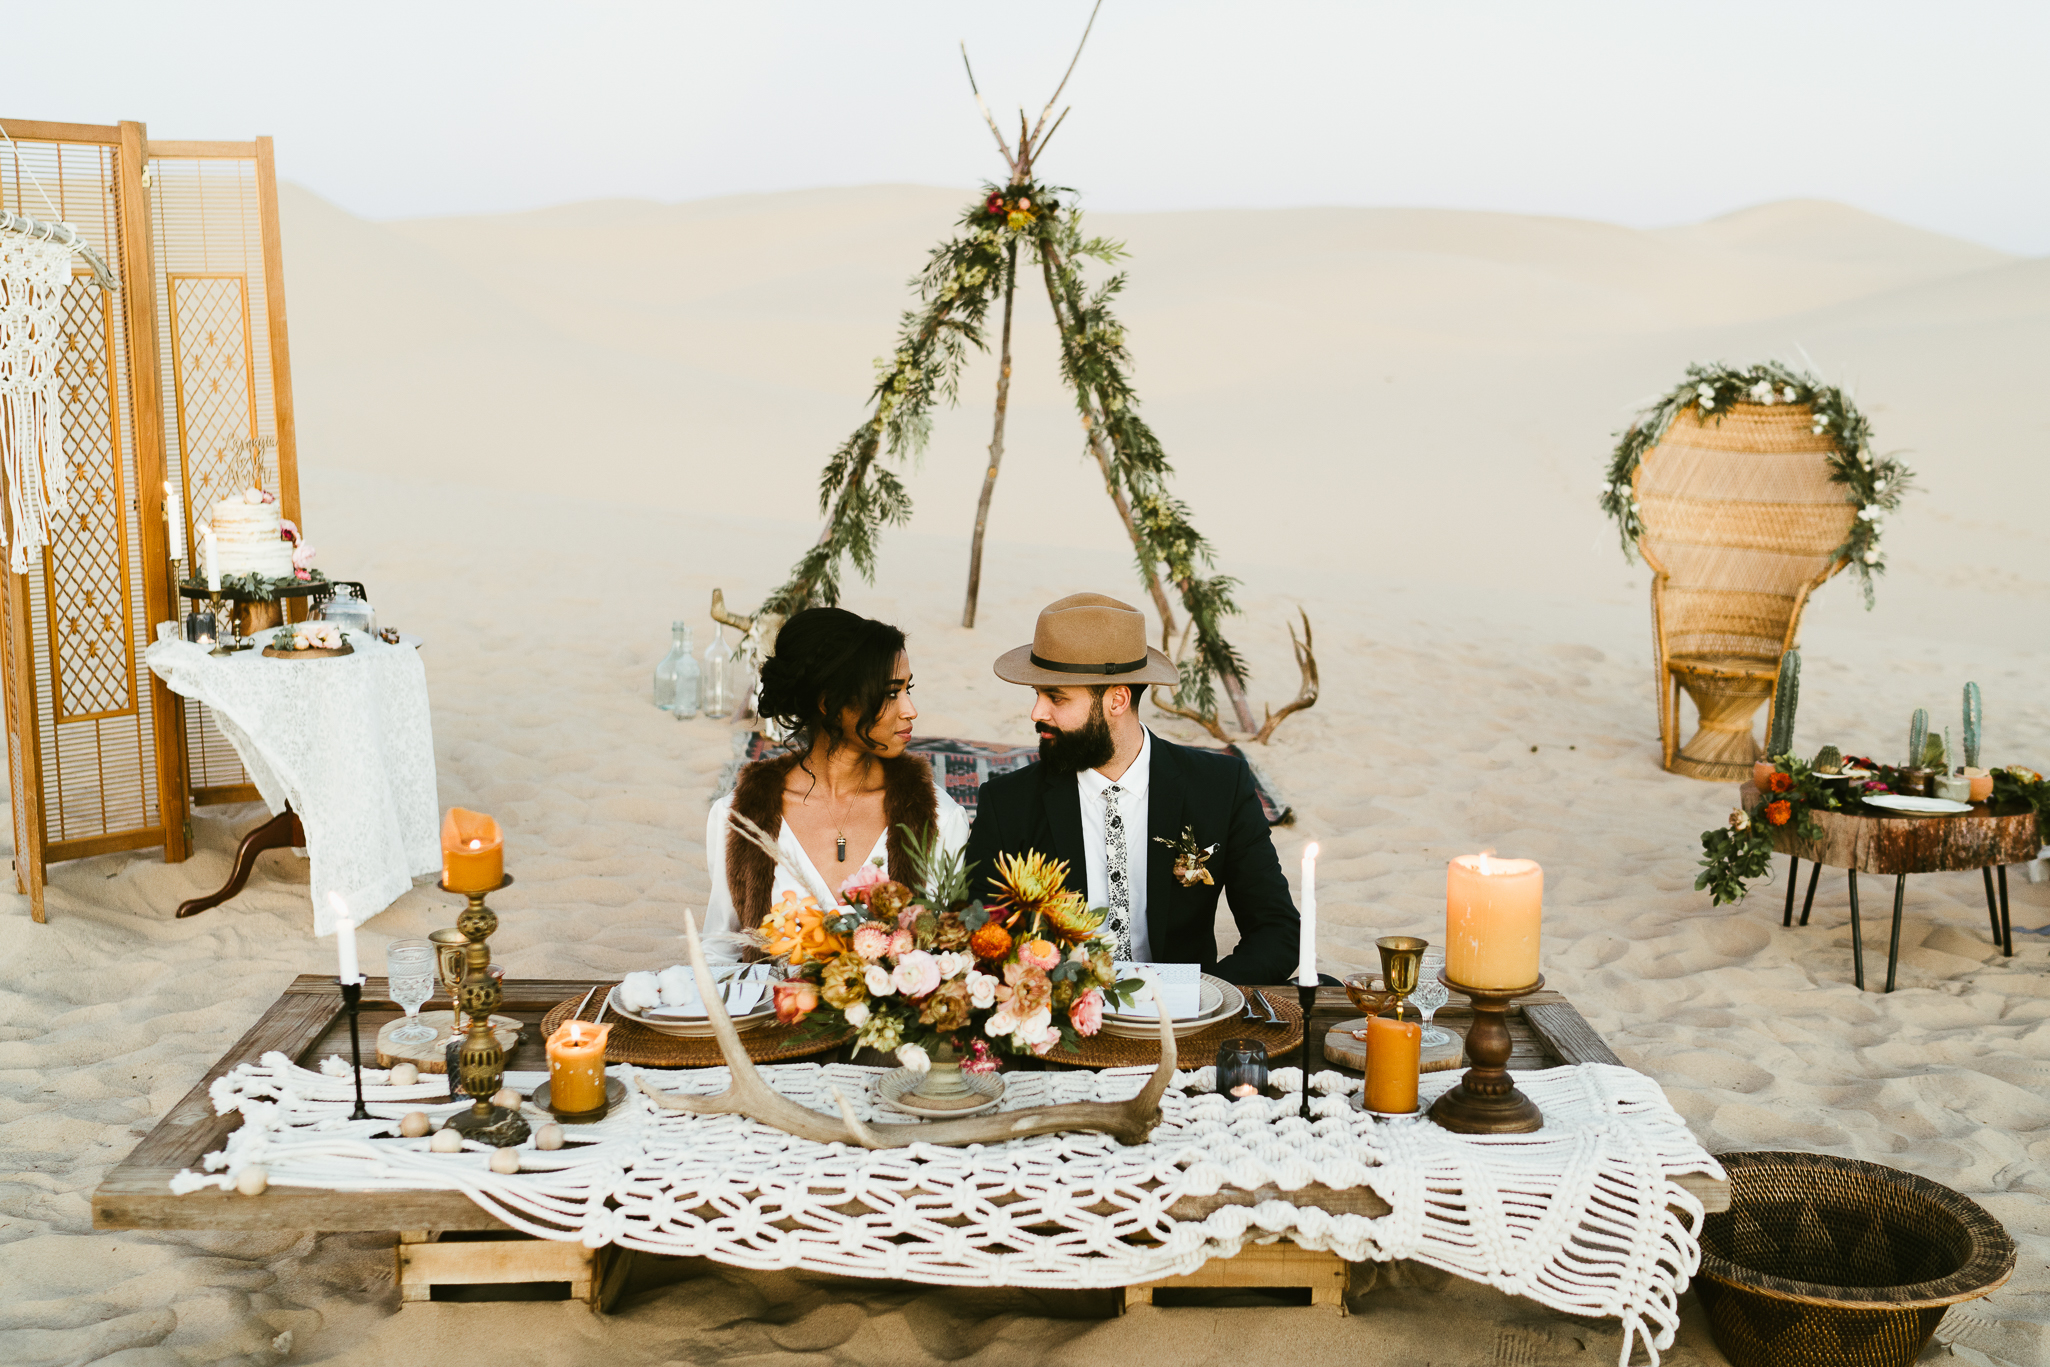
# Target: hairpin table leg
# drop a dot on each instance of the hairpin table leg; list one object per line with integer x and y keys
{"x": 1793, "y": 880}
{"x": 1893, "y": 948}
{"x": 1857, "y": 938}
{"x": 2006, "y": 927}
{"x": 1992, "y": 906}
{"x": 1808, "y": 902}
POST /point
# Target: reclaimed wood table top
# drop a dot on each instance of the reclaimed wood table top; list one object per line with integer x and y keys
{"x": 307, "y": 1023}
{"x": 1874, "y": 840}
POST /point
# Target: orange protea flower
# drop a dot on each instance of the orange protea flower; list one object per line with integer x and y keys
{"x": 1779, "y": 813}
{"x": 992, "y": 941}
{"x": 1035, "y": 887}
{"x": 1779, "y": 782}
{"x": 795, "y": 931}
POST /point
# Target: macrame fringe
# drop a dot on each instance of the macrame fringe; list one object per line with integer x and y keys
{"x": 33, "y": 278}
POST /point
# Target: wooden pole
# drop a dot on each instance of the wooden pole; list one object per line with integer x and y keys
{"x": 996, "y": 445}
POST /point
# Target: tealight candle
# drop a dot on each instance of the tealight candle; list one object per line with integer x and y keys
{"x": 576, "y": 1067}
{"x": 1306, "y": 955}
{"x": 1493, "y": 908}
{"x": 1394, "y": 1049}
{"x": 472, "y": 852}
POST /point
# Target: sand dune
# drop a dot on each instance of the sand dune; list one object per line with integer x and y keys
{"x": 540, "y": 437}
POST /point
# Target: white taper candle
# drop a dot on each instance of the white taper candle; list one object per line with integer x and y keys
{"x": 345, "y": 941}
{"x": 1306, "y": 958}
{"x": 213, "y": 569}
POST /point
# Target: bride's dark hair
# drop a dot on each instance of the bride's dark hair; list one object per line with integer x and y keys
{"x": 828, "y": 660}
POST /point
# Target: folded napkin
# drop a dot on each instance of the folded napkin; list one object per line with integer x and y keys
{"x": 1180, "y": 984}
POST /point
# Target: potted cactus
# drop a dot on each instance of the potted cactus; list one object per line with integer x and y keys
{"x": 1779, "y": 731}
{"x": 1982, "y": 779}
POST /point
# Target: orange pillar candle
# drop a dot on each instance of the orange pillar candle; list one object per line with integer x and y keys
{"x": 576, "y": 1067}
{"x": 472, "y": 852}
{"x": 1394, "y": 1048}
{"x": 1492, "y": 911}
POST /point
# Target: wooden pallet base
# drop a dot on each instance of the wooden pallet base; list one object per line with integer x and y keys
{"x": 1276, "y": 1265}
{"x": 425, "y": 1262}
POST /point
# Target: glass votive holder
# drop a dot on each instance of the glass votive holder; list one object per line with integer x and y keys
{"x": 199, "y": 628}
{"x": 1241, "y": 1068}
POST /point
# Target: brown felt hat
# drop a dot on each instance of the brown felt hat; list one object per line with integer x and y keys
{"x": 1087, "y": 639}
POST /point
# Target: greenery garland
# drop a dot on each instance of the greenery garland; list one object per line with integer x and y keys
{"x": 860, "y": 492}
{"x": 1872, "y": 482}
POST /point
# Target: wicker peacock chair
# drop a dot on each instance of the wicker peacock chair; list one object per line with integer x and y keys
{"x": 1741, "y": 523}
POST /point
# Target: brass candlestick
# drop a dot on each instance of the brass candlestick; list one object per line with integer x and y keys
{"x": 1486, "y": 1100}
{"x": 482, "y": 1060}
{"x": 1402, "y": 958}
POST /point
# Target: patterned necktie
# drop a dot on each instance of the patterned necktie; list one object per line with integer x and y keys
{"x": 1120, "y": 880}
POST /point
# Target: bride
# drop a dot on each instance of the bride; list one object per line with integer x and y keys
{"x": 840, "y": 685}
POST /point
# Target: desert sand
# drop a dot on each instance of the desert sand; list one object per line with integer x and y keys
{"x": 541, "y": 437}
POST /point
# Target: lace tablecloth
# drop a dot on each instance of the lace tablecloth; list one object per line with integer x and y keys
{"x": 347, "y": 742}
{"x": 1585, "y": 1216}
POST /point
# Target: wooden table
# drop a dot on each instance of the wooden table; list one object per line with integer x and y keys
{"x": 1874, "y": 840}
{"x": 307, "y": 1023}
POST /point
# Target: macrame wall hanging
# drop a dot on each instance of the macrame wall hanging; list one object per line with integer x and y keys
{"x": 34, "y": 274}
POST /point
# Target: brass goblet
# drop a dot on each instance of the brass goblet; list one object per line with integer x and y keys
{"x": 1402, "y": 958}
{"x": 451, "y": 957}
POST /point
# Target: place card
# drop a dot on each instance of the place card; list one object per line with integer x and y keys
{"x": 1180, "y": 984}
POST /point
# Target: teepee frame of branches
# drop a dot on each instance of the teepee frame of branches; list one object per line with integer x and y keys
{"x": 860, "y": 491}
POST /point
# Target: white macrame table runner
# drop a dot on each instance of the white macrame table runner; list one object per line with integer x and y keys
{"x": 1579, "y": 1217}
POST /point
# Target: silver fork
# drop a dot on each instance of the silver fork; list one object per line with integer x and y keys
{"x": 1259, "y": 997}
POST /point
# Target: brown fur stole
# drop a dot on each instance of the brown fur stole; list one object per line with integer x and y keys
{"x": 908, "y": 800}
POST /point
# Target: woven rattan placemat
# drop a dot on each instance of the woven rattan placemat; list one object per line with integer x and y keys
{"x": 631, "y": 1042}
{"x": 1197, "y": 1050}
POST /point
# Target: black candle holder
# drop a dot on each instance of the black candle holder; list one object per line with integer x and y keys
{"x": 1306, "y": 997}
{"x": 1241, "y": 1063}
{"x": 352, "y": 1002}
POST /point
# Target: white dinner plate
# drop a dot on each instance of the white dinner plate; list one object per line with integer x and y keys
{"x": 1220, "y": 1002}
{"x": 1921, "y": 806}
{"x": 691, "y": 1027}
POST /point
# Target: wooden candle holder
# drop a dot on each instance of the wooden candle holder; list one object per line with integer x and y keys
{"x": 1487, "y": 1101}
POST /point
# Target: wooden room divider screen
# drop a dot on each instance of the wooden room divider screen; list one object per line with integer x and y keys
{"x": 180, "y": 382}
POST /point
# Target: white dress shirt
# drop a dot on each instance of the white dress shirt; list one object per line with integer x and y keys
{"x": 1132, "y": 788}
{"x": 720, "y": 917}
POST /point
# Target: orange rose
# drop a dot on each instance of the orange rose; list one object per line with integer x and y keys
{"x": 1779, "y": 813}
{"x": 795, "y": 999}
{"x": 1779, "y": 782}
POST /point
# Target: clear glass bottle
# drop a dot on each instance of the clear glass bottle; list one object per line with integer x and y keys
{"x": 717, "y": 689}
{"x": 686, "y": 672}
{"x": 665, "y": 671}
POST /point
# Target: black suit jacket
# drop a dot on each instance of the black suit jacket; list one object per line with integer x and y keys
{"x": 1209, "y": 792}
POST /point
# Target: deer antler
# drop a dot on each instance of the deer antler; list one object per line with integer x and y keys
{"x": 1306, "y": 696}
{"x": 731, "y": 619}
{"x": 1129, "y": 1122}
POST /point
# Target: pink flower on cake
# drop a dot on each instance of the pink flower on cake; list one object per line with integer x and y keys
{"x": 871, "y": 941}
{"x": 917, "y": 974}
{"x": 302, "y": 556}
{"x": 289, "y": 530}
{"x": 1087, "y": 1012}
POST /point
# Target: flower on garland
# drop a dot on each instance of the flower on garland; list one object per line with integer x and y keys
{"x": 1874, "y": 484}
{"x": 1741, "y": 849}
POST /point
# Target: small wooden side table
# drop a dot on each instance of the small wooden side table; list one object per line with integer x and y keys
{"x": 1872, "y": 840}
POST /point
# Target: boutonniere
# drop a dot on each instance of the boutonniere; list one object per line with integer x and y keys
{"x": 1191, "y": 861}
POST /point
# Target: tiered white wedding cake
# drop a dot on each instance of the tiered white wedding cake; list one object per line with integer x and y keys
{"x": 248, "y": 538}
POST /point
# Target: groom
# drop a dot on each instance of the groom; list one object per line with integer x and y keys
{"x": 1107, "y": 791}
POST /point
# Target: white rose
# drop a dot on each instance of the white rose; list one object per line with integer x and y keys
{"x": 877, "y": 980}
{"x": 982, "y": 990}
{"x": 1787, "y": 394}
{"x": 857, "y": 1014}
{"x": 1872, "y": 557}
{"x": 1705, "y": 390}
{"x": 914, "y": 1058}
{"x": 951, "y": 964}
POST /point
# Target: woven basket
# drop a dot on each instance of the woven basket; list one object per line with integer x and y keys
{"x": 1828, "y": 1262}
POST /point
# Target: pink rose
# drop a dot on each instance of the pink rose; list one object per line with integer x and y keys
{"x": 858, "y": 883}
{"x": 1043, "y": 955}
{"x": 795, "y": 999}
{"x": 288, "y": 530}
{"x": 982, "y": 990}
{"x": 1037, "y": 1032}
{"x": 871, "y": 941}
{"x": 302, "y": 556}
{"x": 908, "y": 917}
{"x": 902, "y": 943}
{"x": 1087, "y": 1012}
{"x": 917, "y": 974}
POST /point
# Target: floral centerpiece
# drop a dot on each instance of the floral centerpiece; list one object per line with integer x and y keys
{"x": 941, "y": 979}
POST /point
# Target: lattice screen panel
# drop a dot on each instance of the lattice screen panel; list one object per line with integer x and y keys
{"x": 79, "y": 625}
{"x": 220, "y": 428}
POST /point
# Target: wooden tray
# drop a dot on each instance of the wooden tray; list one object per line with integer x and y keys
{"x": 637, "y": 1044}
{"x": 273, "y": 653}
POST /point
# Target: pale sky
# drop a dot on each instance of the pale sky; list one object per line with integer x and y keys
{"x": 1630, "y": 111}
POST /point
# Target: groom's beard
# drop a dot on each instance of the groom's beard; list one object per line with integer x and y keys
{"x": 1088, "y": 746}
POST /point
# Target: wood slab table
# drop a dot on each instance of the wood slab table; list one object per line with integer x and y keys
{"x": 1864, "y": 839}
